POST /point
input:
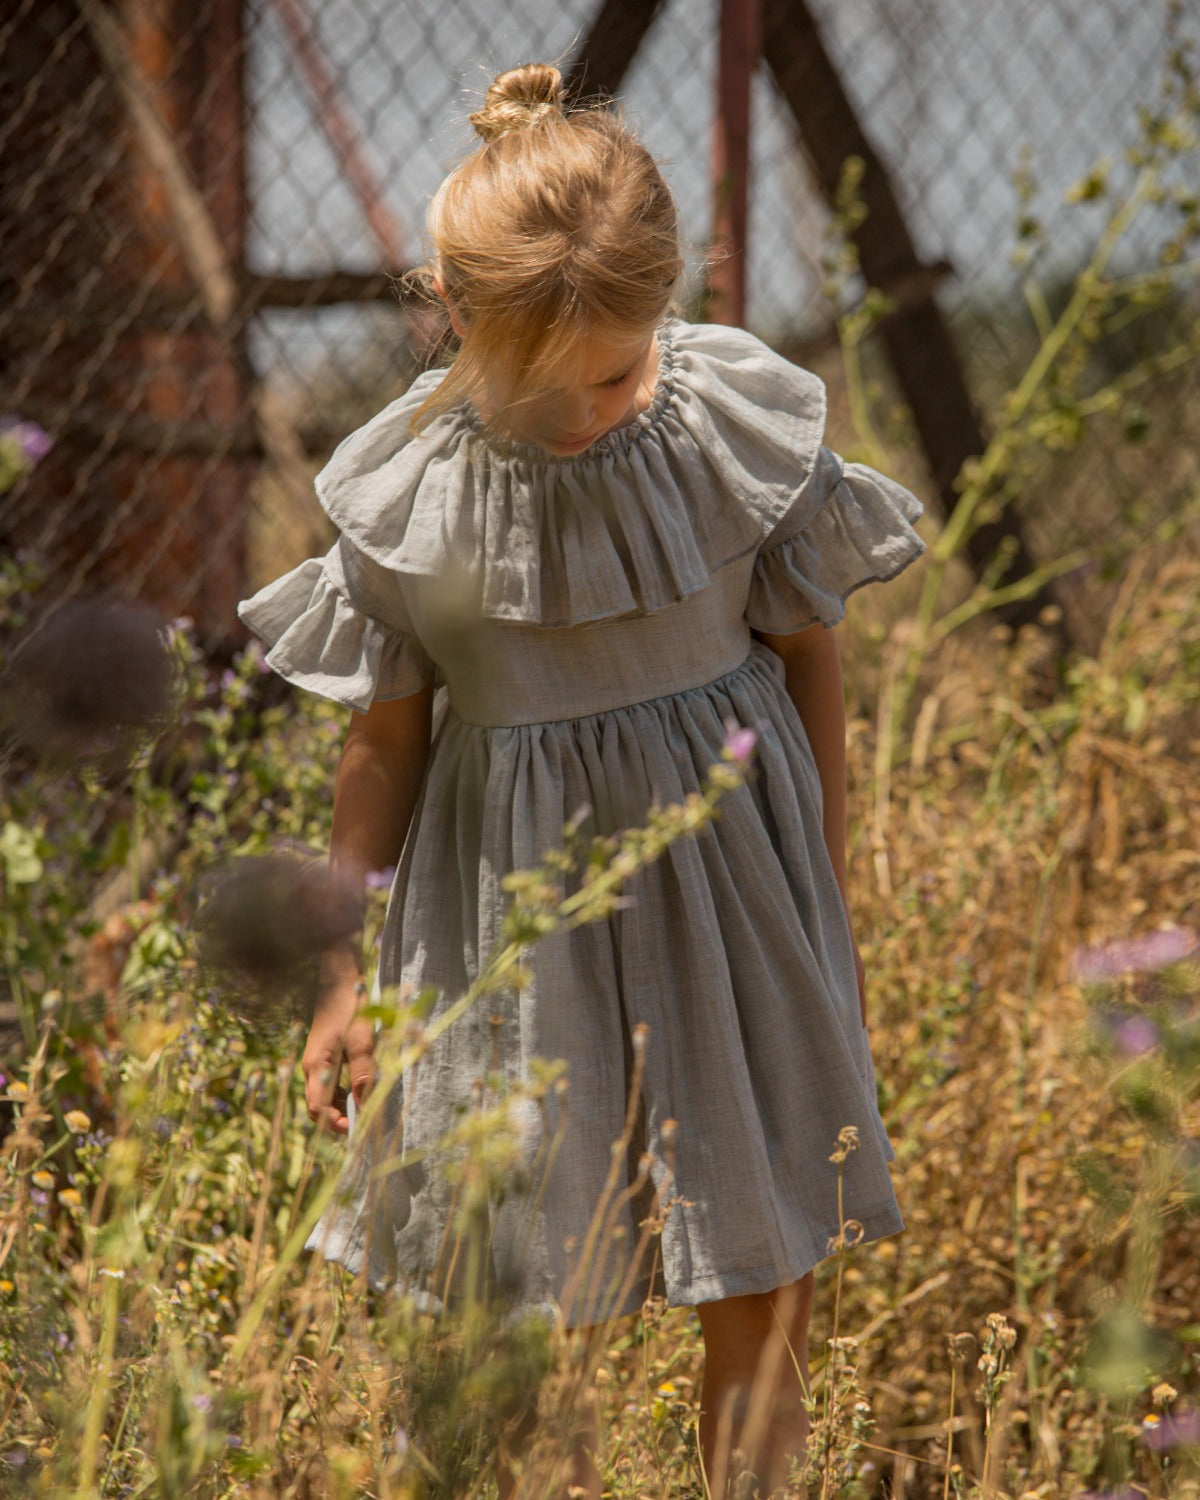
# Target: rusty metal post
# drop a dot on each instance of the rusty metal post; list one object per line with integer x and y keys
{"x": 737, "y": 57}
{"x": 617, "y": 31}
{"x": 343, "y": 135}
{"x": 103, "y": 342}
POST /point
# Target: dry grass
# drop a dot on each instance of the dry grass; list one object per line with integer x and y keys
{"x": 1017, "y": 827}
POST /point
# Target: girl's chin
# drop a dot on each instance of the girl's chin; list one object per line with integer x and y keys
{"x": 562, "y": 449}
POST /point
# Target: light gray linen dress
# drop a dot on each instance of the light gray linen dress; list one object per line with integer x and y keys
{"x": 591, "y": 619}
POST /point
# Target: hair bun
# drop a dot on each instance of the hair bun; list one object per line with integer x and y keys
{"x": 518, "y": 99}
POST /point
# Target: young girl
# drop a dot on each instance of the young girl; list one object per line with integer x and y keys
{"x": 608, "y": 533}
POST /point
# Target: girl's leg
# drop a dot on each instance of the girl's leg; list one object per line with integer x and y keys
{"x": 755, "y": 1382}
{"x": 585, "y": 1476}
{"x": 584, "y": 1480}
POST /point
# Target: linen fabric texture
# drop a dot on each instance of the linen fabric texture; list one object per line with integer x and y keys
{"x": 590, "y": 619}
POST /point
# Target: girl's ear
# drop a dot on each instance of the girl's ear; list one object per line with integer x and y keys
{"x": 457, "y": 321}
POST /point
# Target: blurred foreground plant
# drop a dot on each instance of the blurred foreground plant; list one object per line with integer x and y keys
{"x": 156, "y": 1315}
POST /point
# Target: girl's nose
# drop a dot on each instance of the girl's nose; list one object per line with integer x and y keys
{"x": 577, "y": 412}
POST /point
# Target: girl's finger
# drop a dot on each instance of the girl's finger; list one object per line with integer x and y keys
{"x": 362, "y": 1075}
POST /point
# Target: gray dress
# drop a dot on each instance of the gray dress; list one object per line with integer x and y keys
{"x": 590, "y": 618}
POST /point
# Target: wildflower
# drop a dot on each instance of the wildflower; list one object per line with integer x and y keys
{"x": 114, "y": 1272}
{"x": 667, "y": 1388}
{"x": 1140, "y": 955}
{"x": 1171, "y": 1430}
{"x": 23, "y": 445}
{"x": 6, "y": 1287}
{"x": 740, "y": 743}
{"x": 43, "y": 1180}
{"x": 400, "y": 1442}
{"x": 1135, "y": 1035}
{"x": 77, "y": 1122}
{"x": 70, "y": 1197}
{"x": 380, "y": 880}
{"x": 18, "y": 1090}
{"x": 1163, "y": 1394}
{"x": 34, "y": 441}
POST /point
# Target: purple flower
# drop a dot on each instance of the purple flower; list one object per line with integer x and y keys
{"x": 1172, "y": 1430}
{"x": 33, "y": 442}
{"x": 1139, "y": 955}
{"x": 1135, "y": 1035}
{"x": 739, "y": 743}
{"x": 202, "y": 1401}
{"x": 380, "y": 880}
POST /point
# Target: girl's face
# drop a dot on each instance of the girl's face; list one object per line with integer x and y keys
{"x": 604, "y": 382}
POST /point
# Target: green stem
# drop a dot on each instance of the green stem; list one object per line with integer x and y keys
{"x": 100, "y": 1395}
{"x": 992, "y": 464}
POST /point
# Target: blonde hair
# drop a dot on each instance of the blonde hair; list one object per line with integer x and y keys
{"x": 558, "y": 226}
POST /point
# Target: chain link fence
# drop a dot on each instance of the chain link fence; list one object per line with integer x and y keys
{"x": 204, "y": 203}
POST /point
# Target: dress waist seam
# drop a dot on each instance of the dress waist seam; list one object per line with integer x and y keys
{"x": 755, "y": 653}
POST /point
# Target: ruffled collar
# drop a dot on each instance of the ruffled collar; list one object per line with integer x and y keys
{"x": 637, "y": 521}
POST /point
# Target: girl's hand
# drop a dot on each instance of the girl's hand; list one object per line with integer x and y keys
{"x": 338, "y": 1034}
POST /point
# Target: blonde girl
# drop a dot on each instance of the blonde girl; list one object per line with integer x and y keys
{"x": 608, "y": 534}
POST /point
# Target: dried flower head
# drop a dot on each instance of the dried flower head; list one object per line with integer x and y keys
{"x": 266, "y": 920}
{"x": 91, "y": 682}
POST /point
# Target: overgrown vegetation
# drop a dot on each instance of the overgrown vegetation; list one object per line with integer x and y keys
{"x": 1027, "y": 877}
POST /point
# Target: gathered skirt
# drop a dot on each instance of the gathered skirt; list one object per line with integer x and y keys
{"x": 709, "y": 1029}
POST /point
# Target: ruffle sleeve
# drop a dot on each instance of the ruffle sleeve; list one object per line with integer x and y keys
{"x": 848, "y": 526}
{"x": 338, "y": 626}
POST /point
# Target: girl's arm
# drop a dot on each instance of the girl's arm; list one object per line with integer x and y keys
{"x": 378, "y": 779}
{"x": 813, "y": 670}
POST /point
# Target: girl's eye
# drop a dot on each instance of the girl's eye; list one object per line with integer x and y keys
{"x": 620, "y": 379}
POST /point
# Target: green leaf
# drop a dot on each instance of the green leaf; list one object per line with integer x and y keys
{"x": 18, "y": 851}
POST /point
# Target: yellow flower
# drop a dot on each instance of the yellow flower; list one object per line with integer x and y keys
{"x": 77, "y": 1121}
{"x": 1151, "y": 1419}
{"x": 18, "y": 1090}
{"x": 6, "y": 1287}
{"x": 667, "y": 1388}
{"x": 70, "y": 1198}
{"x": 43, "y": 1180}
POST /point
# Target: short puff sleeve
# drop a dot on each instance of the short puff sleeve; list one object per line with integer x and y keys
{"x": 848, "y": 526}
{"x": 338, "y": 625}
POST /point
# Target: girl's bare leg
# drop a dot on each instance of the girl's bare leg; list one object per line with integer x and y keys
{"x": 755, "y": 1382}
{"x": 584, "y": 1481}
